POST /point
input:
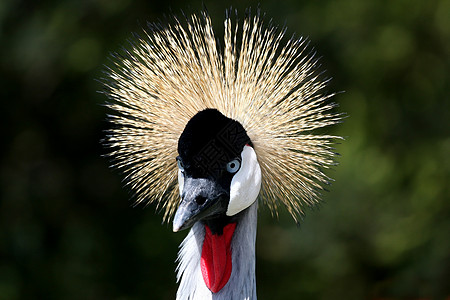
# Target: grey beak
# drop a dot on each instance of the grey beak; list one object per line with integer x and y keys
{"x": 201, "y": 198}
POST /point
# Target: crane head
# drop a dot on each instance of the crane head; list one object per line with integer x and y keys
{"x": 218, "y": 172}
{"x": 270, "y": 98}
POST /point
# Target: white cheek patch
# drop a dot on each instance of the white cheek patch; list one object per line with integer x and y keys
{"x": 180, "y": 181}
{"x": 246, "y": 183}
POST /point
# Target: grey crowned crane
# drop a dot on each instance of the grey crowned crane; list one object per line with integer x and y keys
{"x": 208, "y": 132}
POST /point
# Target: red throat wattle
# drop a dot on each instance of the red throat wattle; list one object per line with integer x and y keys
{"x": 215, "y": 262}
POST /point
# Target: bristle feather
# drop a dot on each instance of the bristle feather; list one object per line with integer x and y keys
{"x": 172, "y": 72}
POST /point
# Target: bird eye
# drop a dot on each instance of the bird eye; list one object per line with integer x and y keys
{"x": 180, "y": 165}
{"x": 233, "y": 166}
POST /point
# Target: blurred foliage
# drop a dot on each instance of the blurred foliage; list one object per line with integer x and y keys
{"x": 67, "y": 230}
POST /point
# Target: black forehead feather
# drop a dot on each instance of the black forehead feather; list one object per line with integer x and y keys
{"x": 211, "y": 131}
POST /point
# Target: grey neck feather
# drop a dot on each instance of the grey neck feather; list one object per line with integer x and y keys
{"x": 242, "y": 283}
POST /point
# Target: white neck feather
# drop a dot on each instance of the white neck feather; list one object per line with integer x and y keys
{"x": 242, "y": 282}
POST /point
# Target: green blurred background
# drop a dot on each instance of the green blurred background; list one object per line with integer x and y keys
{"x": 68, "y": 229}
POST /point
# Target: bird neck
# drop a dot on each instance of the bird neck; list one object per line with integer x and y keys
{"x": 240, "y": 283}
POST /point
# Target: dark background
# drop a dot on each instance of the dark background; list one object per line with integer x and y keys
{"x": 68, "y": 229}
